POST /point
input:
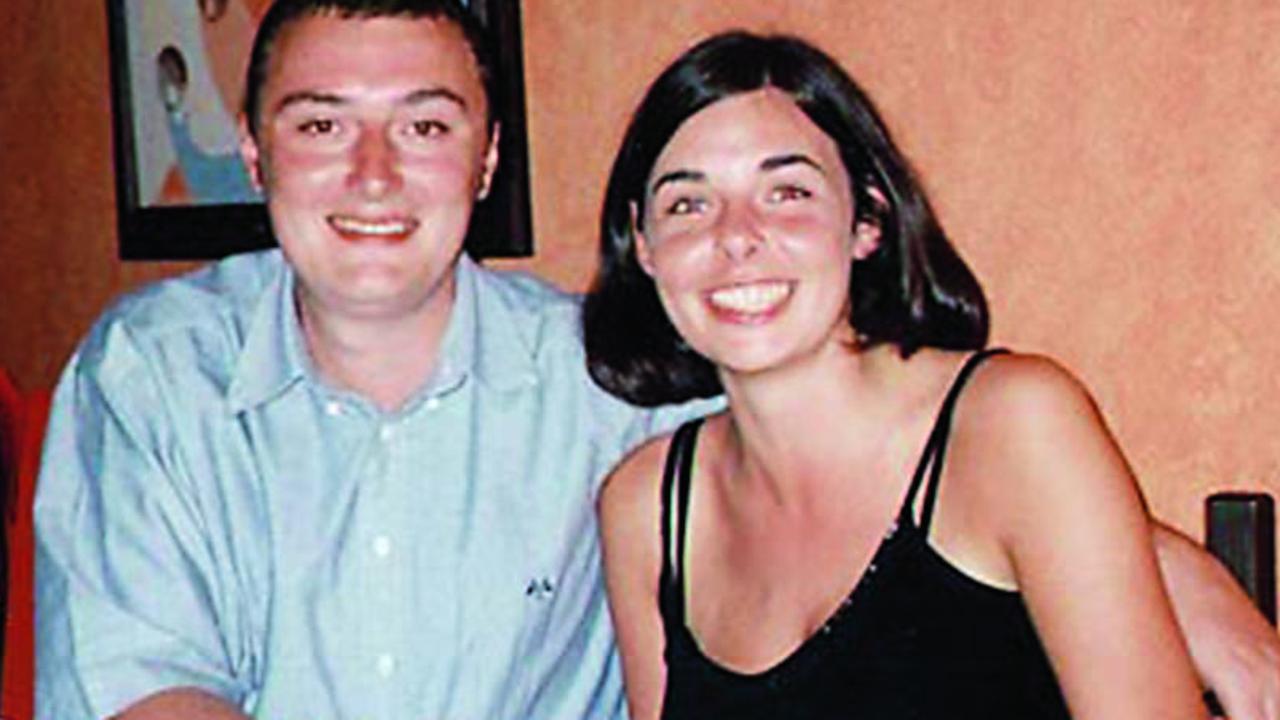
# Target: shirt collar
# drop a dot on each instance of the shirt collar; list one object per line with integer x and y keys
{"x": 485, "y": 338}
{"x": 487, "y": 335}
{"x": 272, "y": 357}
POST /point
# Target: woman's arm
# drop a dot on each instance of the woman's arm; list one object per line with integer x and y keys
{"x": 1234, "y": 649}
{"x": 1072, "y": 523}
{"x": 631, "y": 536}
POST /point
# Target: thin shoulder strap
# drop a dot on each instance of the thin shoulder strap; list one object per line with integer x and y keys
{"x": 675, "y": 497}
{"x": 935, "y": 449}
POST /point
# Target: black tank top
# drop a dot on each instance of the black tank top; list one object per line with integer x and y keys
{"x": 915, "y": 638}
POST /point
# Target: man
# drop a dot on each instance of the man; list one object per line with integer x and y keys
{"x": 352, "y": 480}
{"x": 355, "y": 481}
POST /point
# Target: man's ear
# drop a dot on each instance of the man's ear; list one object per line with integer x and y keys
{"x": 644, "y": 255}
{"x": 250, "y": 153}
{"x": 489, "y": 166}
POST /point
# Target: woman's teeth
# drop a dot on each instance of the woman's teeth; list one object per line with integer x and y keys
{"x": 751, "y": 298}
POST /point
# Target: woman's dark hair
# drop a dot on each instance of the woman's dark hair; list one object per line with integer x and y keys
{"x": 283, "y": 12}
{"x": 913, "y": 291}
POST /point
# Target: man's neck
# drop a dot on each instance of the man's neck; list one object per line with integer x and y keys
{"x": 384, "y": 359}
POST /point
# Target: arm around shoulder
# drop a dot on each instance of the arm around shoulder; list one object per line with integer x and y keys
{"x": 1235, "y": 650}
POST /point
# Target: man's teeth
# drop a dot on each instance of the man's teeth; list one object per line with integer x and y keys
{"x": 372, "y": 227}
{"x": 753, "y": 298}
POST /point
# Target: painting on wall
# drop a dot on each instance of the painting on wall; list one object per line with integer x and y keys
{"x": 177, "y": 71}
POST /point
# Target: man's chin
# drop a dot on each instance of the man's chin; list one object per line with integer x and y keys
{"x": 377, "y": 297}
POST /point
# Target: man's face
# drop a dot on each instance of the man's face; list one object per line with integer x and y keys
{"x": 372, "y": 149}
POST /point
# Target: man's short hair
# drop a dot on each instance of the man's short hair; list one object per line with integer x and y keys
{"x": 283, "y": 12}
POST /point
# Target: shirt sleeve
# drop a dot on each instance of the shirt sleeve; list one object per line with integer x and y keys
{"x": 128, "y": 598}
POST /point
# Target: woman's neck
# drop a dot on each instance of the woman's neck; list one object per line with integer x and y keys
{"x": 789, "y": 428}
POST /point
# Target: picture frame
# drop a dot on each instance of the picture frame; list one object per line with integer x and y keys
{"x": 177, "y": 69}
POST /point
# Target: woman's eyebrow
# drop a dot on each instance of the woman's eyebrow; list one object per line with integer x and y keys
{"x": 677, "y": 176}
{"x": 780, "y": 161}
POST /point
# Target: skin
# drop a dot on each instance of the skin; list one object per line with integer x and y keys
{"x": 785, "y": 514}
{"x": 365, "y": 326}
{"x": 374, "y": 148}
{"x": 1236, "y": 651}
{"x": 729, "y": 181}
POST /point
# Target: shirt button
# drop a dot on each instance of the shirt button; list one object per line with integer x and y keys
{"x": 386, "y": 665}
{"x": 433, "y": 403}
{"x": 385, "y": 432}
{"x": 382, "y": 546}
{"x": 333, "y": 408}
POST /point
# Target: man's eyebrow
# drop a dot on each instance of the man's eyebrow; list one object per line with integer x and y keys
{"x": 781, "y": 161}
{"x": 677, "y": 176}
{"x": 424, "y": 95}
{"x": 417, "y": 97}
{"x": 303, "y": 97}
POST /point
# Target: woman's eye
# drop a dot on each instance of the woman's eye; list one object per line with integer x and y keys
{"x": 784, "y": 193}
{"x": 685, "y": 206}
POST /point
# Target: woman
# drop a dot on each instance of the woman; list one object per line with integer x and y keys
{"x": 808, "y": 553}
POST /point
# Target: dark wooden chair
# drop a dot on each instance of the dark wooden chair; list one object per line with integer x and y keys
{"x": 1240, "y": 530}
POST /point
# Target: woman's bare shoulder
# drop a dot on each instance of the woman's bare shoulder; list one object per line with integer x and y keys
{"x": 1026, "y": 429}
{"x": 1024, "y": 422}
{"x": 1023, "y": 394}
{"x": 637, "y": 476}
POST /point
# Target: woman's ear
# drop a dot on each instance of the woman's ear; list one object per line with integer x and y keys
{"x": 643, "y": 254}
{"x": 866, "y": 238}
{"x": 868, "y": 228}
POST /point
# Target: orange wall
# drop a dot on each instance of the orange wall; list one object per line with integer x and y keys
{"x": 1104, "y": 164}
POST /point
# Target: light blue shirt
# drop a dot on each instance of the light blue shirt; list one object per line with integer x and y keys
{"x": 210, "y": 514}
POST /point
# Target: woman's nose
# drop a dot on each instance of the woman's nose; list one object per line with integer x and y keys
{"x": 738, "y": 232}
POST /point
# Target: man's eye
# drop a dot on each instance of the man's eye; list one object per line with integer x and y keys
{"x": 318, "y": 126}
{"x": 428, "y": 128}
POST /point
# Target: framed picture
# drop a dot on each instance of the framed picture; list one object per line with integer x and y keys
{"x": 177, "y": 73}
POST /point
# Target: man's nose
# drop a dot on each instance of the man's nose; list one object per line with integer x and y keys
{"x": 375, "y": 167}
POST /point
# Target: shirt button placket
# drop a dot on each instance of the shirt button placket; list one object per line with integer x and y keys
{"x": 386, "y": 665}
{"x": 381, "y": 517}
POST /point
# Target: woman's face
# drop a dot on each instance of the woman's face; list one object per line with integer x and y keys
{"x": 748, "y": 232}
